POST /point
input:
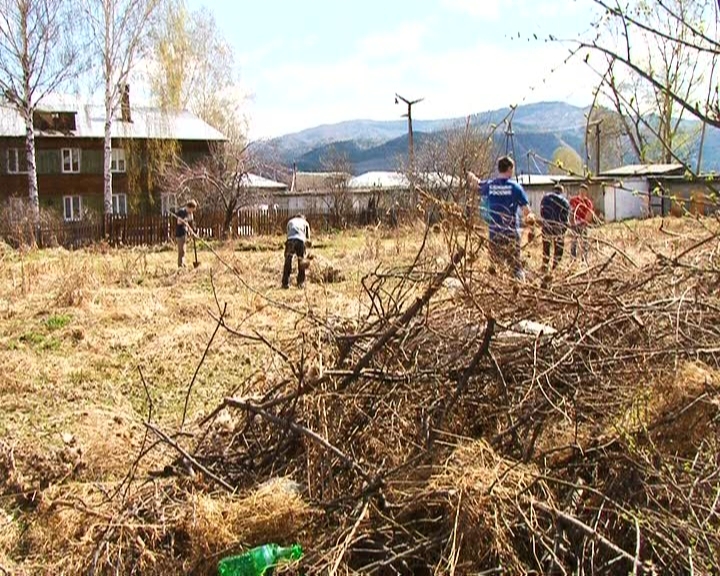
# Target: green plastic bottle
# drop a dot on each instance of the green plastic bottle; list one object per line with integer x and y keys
{"x": 257, "y": 561}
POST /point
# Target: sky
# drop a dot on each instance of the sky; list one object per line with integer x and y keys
{"x": 312, "y": 62}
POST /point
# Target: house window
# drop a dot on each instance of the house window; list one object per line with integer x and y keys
{"x": 16, "y": 161}
{"x": 119, "y": 202}
{"x": 71, "y": 160}
{"x": 117, "y": 164}
{"x": 168, "y": 203}
{"x": 73, "y": 207}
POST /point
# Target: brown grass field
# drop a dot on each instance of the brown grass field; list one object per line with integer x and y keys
{"x": 77, "y": 330}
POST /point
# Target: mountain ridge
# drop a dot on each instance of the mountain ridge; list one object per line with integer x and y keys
{"x": 538, "y": 128}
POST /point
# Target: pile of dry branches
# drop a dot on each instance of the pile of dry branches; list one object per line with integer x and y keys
{"x": 467, "y": 423}
{"x": 445, "y": 431}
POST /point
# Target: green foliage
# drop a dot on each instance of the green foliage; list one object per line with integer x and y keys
{"x": 40, "y": 341}
{"x": 57, "y": 321}
{"x": 566, "y": 161}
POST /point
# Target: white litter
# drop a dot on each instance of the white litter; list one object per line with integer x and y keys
{"x": 533, "y": 328}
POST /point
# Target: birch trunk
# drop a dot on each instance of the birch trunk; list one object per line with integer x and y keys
{"x": 107, "y": 153}
{"x": 31, "y": 166}
{"x": 109, "y": 101}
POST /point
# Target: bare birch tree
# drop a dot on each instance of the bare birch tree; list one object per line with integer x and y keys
{"x": 117, "y": 28}
{"x": 38, "y": 55}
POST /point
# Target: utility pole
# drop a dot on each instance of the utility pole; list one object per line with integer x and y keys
{"x": 411, "y": 145}
{"x": 596, "y": 125}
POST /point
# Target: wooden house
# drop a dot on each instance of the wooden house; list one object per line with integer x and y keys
{"x": 69, "y": 136}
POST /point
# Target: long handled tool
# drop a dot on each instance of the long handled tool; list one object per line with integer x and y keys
{"x": 196, "y": 263}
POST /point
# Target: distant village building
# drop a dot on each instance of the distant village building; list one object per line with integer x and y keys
{"x": 69, "y": 153}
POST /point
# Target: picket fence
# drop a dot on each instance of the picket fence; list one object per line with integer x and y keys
{"x": 148, "y": 230}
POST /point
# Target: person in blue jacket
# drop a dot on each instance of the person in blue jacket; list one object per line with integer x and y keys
{"x": 504, "y": 200}
{"x": 554, "y": 212}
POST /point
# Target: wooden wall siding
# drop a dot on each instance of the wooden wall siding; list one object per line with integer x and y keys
{"x": 53, "y": 182}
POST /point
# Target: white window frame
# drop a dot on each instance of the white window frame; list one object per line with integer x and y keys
{"x": 119, "y": 201}
{"x": 75, "y": 211}
{"x": 168, "y": 203}
{"x": 72, "y": 154}
{"x": 16, "y": 154}
{"x": 118, "y": 163}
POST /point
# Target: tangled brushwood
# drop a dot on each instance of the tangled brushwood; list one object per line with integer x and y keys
{"x": 464, "y": 423}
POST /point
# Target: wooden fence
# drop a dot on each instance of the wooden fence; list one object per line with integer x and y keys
{"x": 144, "y": 230}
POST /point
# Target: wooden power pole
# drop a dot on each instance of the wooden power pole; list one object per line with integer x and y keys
{"x": 411, "y": 144}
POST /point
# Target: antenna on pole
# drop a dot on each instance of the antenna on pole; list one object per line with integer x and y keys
{"x": 408, "y": 115}
{"x": 510, "y": 135}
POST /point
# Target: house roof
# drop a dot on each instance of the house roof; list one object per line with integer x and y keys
{"x": 646, "y": 170}
{"x": 386, "y": 180}
{"x": 255, "y": 181}
{"x": 147, "y": 123}
{"x": 399, "y": 180}
{"x": 311, "y": 181}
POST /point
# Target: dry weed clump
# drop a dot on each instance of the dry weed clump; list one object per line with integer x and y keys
{"x": 219, "y": 524}
{"x": 483, "y": 492}
{"x": 157, "y": 529}
{"x": 78, "y": 285}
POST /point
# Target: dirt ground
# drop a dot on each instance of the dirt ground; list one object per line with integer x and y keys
{"x": 79, "y": 331}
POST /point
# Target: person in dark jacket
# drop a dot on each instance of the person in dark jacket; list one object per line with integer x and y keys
{"x": 298, "y": 235}
{"x": 184, "y": 225}
{"x": 554, "y": 212}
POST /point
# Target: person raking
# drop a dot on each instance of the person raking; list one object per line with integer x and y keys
{"x": 504, "y": 202}
{"x": 185, "y": 219}
{"x": 298, "y": 234}
{"x": 554, "y": 212}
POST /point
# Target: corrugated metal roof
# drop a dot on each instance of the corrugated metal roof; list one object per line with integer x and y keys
{"x": 387, "y": 180}
{"x": 147, "y": 123}
{"x": 399, "y": 180}
{"x": 646, "y": 170}
{"x": 314, "y": 181}
{"x": 255, "y": 181}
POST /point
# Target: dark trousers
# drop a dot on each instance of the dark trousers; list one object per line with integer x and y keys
{"x": 553, "y": 244}
{"x": 505, "y": 251}
{"x": 579, "y": 240}
{"x": 293, "y": 248}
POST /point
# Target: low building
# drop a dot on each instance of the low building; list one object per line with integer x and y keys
{"x": 69, "y": 140}
{"x": 325, "y": 193}
{"x": 639, "y": 190}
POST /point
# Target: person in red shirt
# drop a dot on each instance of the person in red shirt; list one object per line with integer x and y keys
{"x": 582, "y": 214}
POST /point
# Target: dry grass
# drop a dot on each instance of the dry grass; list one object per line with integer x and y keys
{"x": 75, "y": 328}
